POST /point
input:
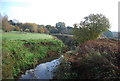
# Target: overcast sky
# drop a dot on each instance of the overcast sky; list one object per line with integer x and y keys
{"x": 53, "y": 11}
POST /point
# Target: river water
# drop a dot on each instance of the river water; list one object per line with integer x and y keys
{"x": 43, "y": 71}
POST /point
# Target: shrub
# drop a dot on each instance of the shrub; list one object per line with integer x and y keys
{"x": 95, "y": 66}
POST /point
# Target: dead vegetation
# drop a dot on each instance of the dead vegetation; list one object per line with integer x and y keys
{"x": 96, "y": 59}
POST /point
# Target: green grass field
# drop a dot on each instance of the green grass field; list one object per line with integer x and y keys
{"x": 25, "y": 36}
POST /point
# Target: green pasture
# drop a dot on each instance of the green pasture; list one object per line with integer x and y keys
{"x": 25, "y": 36}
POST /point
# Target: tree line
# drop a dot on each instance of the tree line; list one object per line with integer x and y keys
{"x": 94, "y": 25}
{"x": 11, "y": 25}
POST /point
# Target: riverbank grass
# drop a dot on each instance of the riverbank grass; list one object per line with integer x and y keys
{"x": 19, "y": 54}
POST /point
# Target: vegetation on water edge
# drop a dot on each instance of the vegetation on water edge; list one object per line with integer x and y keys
{"x": 94, "y": 59}
{"x": 19, "y": 55}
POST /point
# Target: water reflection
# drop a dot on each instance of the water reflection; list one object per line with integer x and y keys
{"x": 43, "y": 71}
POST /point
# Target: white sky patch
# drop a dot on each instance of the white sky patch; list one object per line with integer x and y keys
{"x": 68, "y": 11}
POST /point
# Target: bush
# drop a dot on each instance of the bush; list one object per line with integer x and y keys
{"x": 95, "y": 66}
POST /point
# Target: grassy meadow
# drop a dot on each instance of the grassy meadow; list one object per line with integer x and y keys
{"x": 24, "y": 36}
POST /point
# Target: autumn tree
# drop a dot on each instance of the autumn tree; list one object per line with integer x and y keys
{"x": 5, "y": 24}
{"x": 46, "y": 30}
{"x": 41, "y": 30}
{"x": 92, "y": 26}
{"x": 17, "y": 28}
{"x": 31, "y": 26}
{"x": 34, "y": 28}
{"x": 0, "y": 21}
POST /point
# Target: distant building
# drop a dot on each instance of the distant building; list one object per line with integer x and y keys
{"x": 60, "y": 24}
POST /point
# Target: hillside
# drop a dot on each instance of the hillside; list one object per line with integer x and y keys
{"x": 110, "y": 34}
{"x": 115, "y": 34}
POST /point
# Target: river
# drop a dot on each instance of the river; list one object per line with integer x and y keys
{"x": 42, "y": 71}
